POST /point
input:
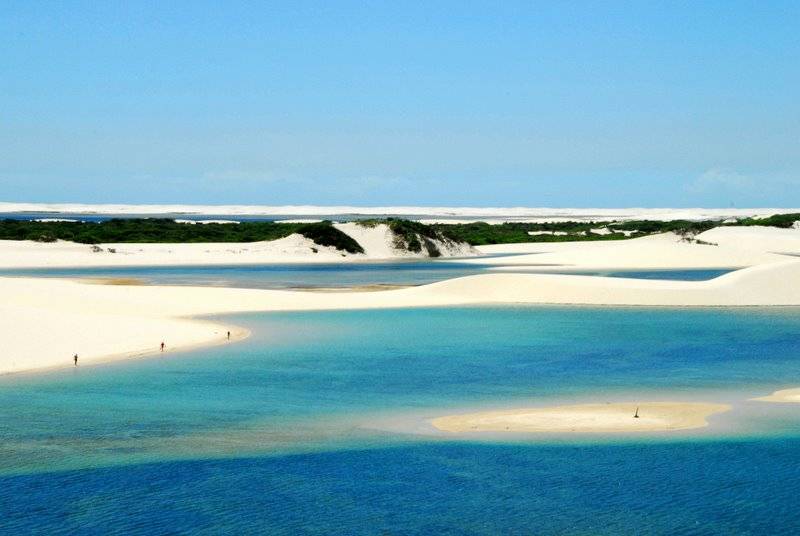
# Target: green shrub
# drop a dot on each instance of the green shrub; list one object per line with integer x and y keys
{"x": 409, "y": 235}
{"x": 325, "y": 234}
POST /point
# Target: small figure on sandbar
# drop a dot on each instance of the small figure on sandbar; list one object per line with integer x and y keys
{"x": 163, "y": 346}
{"x": 636, "y": 415}
{"x": 75, "y": 359}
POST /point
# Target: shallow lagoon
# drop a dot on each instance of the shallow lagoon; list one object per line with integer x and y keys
{"x": 289, "y": 428}
{"x": 327, "y": 275}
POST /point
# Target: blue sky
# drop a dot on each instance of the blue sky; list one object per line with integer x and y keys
{"x": 430, "y": 103}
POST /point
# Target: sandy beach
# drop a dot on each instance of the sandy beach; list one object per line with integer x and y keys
{"x": 784, "y": 396}
{"x": 586, "y": 418}
{"x": 49, "y": 320}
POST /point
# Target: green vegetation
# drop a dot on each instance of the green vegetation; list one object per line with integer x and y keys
{"x": 409, "y": 235}
{"x": 151, "y": 230}
{"x": 784, "y": 221}
{"x": 681, "y": 227}
{"x": 413, "y": 236}
{"x": 480, "y": 233}
{"x": 325, "y": 234}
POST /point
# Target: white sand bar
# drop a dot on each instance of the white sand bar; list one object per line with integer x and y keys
{"x": 784, "y": 396}
{"x": 586, "y": 418}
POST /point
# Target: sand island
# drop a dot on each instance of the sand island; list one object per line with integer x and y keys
{"x": 784, "y": 396}
{"x": 586, "y": 418}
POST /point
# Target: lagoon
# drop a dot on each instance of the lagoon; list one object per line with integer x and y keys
{"x": 327, "y": 275}
{"x": 320, "y": 418}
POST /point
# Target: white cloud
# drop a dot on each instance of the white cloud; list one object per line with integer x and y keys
{"x": 722, "y": 186}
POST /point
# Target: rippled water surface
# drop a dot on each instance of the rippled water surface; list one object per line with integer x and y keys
{"x": 283, "y": 433}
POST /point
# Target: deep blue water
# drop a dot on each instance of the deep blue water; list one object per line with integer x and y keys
{"x": 724, "y": 488}
{"x": 317, "y": 424}
{"x": 411, "y": 272}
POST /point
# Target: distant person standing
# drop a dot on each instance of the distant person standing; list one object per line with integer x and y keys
{"x": 229, "y": 335}
{"x": 163, "y": 346}
{"x": 75, "y": 359}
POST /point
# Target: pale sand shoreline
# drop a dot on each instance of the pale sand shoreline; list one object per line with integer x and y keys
{"x": 46, "y": 320}
{"x": 784, "y": 396}
{"x": 219, "y": 338}
{"x": 585, "y": 418}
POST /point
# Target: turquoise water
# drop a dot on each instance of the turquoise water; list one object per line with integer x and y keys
{"x": 317, "y": 424}
{"x": 281, "y": 276}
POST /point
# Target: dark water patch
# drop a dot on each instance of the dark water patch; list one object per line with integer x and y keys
{"x": 705, "y": 488}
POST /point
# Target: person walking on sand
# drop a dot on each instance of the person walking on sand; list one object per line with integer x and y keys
{"x": 163, "y": 346}
{"x": 229, "y": 335}
{"x": 75, "y": 359}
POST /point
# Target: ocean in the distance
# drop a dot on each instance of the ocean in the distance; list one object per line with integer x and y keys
{"x": 316, "y": 425}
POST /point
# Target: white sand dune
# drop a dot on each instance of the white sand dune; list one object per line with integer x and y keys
{"x": 735, "y": 247}
{"x": 291, "y": 249}
{"x": 377, "y": 242}
{"x": 764, "y": 239}
{"x": 586, "y": 418}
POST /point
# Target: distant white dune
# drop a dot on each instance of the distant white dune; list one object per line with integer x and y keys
{"x": 203, "y": 222}
{"x": 493, "y": 214}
